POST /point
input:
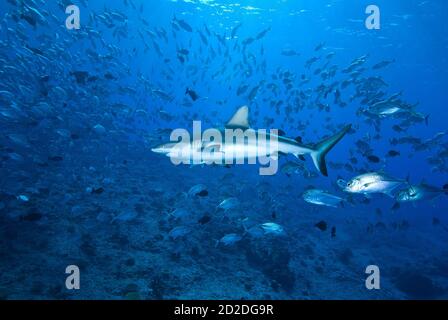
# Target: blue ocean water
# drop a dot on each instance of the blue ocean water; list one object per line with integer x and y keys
{"x": 82, "y": 110}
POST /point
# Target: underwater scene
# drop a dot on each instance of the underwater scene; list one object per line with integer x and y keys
{"x": 223, "y": 149}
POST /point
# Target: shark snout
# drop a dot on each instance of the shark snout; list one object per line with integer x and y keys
{"x": 164, "y": 148}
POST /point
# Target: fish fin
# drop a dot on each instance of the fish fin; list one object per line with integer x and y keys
{"x": 322, "y": 148}
{"x": 390, "y": 194}
{"x": 408, "y": 178}
{"x": 193, "y": 165}
{"x": 212, "y": 147}
{"x": 240, "y": 120}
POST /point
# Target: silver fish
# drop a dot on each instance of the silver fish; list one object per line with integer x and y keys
{"x": 322, "y": 198}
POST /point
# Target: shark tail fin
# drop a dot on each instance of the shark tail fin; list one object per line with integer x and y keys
{"x": 323, "y": 147}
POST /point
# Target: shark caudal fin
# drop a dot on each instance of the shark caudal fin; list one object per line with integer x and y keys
{"x": 323, "y": 147}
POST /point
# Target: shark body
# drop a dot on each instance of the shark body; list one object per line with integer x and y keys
{"x": 244, "y": 150}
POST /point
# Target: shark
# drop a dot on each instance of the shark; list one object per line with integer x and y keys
{"x": 243, "y": 150}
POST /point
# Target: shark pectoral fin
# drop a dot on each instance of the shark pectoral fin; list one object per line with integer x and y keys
{"x": 298, "y": 155}
{"x": 390, "y": 194}
{"x": 396, "y": 206}
{"x": 240, "y": 120}
{"x": 211, "y": 148}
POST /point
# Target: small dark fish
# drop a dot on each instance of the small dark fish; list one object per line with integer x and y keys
{"x": 380, "y": 225}
{"x": 29, "y": 19}
{"x": 202, "y": 193}
{"x": 290, "y": 53}
{"x": 184, "y": 25}
{"x": 435, "y": 221}
{"x": 445, "y": 187}
{"x": 365, "y": 201}
{"x": 80, "y": 76}
{"x": 56, "y": 158}
{"x": 35, "y": 51}
{"x": 242, "y": 89}
{"x": 248, "y": 41}
{"x": 396, "y": 206}
{"x": 235, "y": 29}
{"x": 298, "y": 139}
{"x": 109, "y": 76}
{"x": 374, "y": 159}
{"x": 253, "y": 93}
{"x": 203, "y": 38}
{"x": 393, "y": 153}
{"x": 98, "y": 191}
{"x": 205, "y": 219}
{"x": 262, "y": 33}
{"x": 185, "y": 52}
{"x": 382, "y": 64}
{"x": 321, "y": 225}
{"x": 92, "y": 78}
{"x": 333, "y": 232}
{"x": 34, "y": 216}
{"x": 193, "y": 95}
{"x": 319, "y": 46}
{"x": 281, "y": 133}
{"x": 45, "y": 78}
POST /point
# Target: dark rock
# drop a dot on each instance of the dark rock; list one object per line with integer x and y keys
{"x": 274, "y": 263}
{"x": 205, "y": 219}
{"x": 129, "y": 262}
{"x": 345, "y": 256}
{"x": 417, "y": 286}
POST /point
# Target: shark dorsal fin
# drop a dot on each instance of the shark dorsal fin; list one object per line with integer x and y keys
{"x": 240, "y": 120}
